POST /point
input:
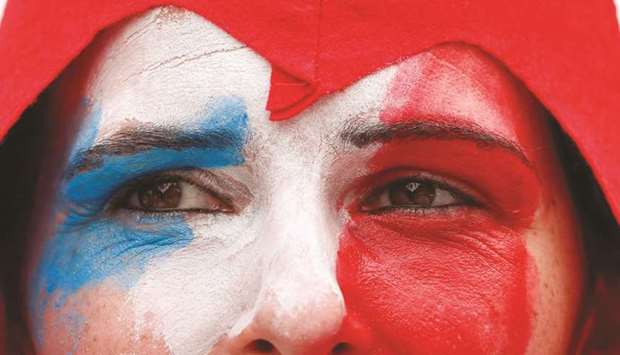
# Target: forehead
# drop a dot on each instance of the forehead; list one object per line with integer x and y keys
{"x": 169, "y": 67}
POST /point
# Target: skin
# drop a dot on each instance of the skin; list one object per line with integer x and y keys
{"x": 297, "y": 249}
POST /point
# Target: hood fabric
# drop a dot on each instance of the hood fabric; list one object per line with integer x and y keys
{"x": 566, "y": 52}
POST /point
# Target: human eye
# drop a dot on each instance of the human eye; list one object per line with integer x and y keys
{"x": 415, "y": 194}
{"x": 171, "y": 193}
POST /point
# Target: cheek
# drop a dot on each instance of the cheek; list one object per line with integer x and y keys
{"x": 86, "y": 271}
{"x": 442, "y": 284}
{"x": 81, "y": 255}
{"x": 95, "y": 320}
{"x": 438, "y": 289}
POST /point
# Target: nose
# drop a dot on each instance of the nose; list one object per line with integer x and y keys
{"x": 300, "y": 321}
{"x": 349, "y": 338}
{"x": 300, "y": 308}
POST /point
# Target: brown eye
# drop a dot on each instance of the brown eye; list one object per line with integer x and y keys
{"x": 409, "y": 194}
{"x": 173, "y": 194}
{"x": 413, "y": 193}
{"x": 160, "y": 195}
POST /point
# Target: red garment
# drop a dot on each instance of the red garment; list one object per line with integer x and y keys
{"x": 566, "y": 52}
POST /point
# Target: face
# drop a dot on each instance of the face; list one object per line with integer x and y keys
{"x": 420, "y": 211}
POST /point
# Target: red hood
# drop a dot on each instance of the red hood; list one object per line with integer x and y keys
{"x": 566, "y": 52}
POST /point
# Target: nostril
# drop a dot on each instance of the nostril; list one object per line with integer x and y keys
{"x": 341, "y": 348}
{"x": 261, "y": 346}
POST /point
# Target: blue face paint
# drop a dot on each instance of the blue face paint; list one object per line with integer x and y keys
{"x": 93, "y": 186}
{"x": 227, "y": 115}
{"x": 91, "y": 245}
{"x": 89, "y": 253}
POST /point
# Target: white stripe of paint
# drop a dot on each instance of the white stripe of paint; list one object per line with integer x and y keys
{"x": 2, "y": 6}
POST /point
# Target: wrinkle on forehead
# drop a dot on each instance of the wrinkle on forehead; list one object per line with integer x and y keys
{"x": 135, "y": 35}
{"x": 471, "y": 62}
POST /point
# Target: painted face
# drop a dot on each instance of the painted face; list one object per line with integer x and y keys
{"x": 420, "y": 211}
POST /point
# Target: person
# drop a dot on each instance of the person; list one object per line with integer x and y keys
{"x": 420, "y": 205}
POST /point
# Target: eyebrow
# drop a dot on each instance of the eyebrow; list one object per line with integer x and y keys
{"x": 134, "y": 140}
{"x": 361, "y": 136}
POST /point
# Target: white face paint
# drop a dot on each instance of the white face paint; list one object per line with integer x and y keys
{"x": 266, "y": 270}
{"x": 260, "y": 263}
{"x": 265, "y": 264}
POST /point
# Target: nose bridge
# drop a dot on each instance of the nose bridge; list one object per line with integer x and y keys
{"x": 300, "y": 226}
{"x": 300, "y": 277}
{"x": 300, "y": 303}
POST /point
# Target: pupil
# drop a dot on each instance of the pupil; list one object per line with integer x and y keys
{"x": 424, "y": 195}
{"x": 413, "y": 193}
{"x": 160, "y": 195}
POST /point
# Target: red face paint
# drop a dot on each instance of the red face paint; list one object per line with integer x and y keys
{"x": 451, "y": 282}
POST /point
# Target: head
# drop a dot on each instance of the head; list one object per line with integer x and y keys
{"x": 423, "y": 209}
